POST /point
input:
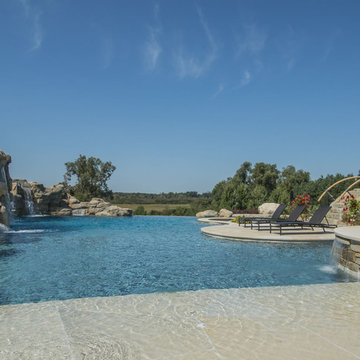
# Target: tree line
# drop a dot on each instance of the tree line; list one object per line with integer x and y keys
{"x": 249, "y": 187}
{"x": 162, "y": 198}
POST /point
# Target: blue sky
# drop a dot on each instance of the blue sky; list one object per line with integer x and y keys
{"x": 178, "y": 94}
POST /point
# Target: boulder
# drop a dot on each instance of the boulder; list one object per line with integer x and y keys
{"x": 97, "y": 207}
{"x": 267, "y": 208}
{"x": 62, "y": 212}
{"x": 49, "y": 200}
{"x": 108, "y": 211}
{"x": 36, "y": 188}
{"x": 55, "y": 194}
{"x": 207, "y": 213}
{"x": 72, "y": 200}
{"x": 97, "y": 202}
{"x": 113, "y": 210}
{"x": 79, "y": 205}
{"x": 79, "y": 212}
{"x": 225, "y": 213}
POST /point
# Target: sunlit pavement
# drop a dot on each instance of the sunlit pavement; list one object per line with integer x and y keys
{"x": 236, "y": 232}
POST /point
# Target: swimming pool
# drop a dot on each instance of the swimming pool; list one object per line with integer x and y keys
{"x": 57, "y": 258}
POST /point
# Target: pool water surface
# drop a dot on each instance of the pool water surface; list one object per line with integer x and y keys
{"x": 57, "y": 258}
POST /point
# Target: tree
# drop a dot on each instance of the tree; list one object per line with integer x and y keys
{"x": 293, "y": 179}
{"x": 257, "y": 196}
{"x": 243, "y": 174}
{"x": 92, "y": 175}
{"x": 265, "y": 175}
{"x": 235, "y": 196}
{"x": 292, "y": 182}
{"x": 216, "y": 194}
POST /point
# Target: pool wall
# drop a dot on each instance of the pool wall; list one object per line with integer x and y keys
{"x": 346, "y": 249}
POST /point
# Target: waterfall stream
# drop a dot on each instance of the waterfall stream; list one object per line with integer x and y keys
{"x": 29, "y": 204}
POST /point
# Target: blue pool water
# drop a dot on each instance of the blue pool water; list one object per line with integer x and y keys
{"x": 48, "y": 258}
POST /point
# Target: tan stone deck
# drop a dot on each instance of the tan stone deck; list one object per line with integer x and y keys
{"x": 235, "y": 232}
{"x": 294, "y": 322}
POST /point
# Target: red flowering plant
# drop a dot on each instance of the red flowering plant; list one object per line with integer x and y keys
{"x": 303, "y": 199}
{"x": 351, "y": 210}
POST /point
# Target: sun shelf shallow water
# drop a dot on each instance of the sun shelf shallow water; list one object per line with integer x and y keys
{"x": 55, "y": 258}
{"x": 309, "y": 322}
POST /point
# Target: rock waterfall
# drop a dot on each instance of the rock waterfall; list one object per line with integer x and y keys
{"x": 29, "y": 204}
{"x": 20, "y": 197}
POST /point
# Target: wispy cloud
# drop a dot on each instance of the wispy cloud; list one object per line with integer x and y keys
{"x": 290, "y": 45}
{"x": 219, "y": 91}
{"x": 251, "y": 40}
{"x": 33, "y": 14}
{"x": 250, "y": 43}
{"x": 152, "y": 47}
{"x": 245, "y": 79}
{"x": 191, "y": 66}
{"x": 37, "y": 31}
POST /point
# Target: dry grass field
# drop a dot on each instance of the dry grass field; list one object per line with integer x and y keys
{"x": 157, "y": 207}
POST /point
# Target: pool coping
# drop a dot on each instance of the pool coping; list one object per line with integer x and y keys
{"x": 349, "y": 232}
{"x": 235, "y": 232}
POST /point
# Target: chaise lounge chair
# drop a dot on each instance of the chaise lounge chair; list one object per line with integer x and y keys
{"x": 315, "y": 221}
{"x": 293, "y": 216}
{"x": 275, "y": 216}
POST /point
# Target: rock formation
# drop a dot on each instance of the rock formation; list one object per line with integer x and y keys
{"x": 96, "y": 207}
{"x": 268, "y": 208}
{"x": 29, "y": 198}
{"x": 52, "y": 200}
{"x": 207, "y": 213}
{"x": 56, "y": 201}
{"x": 225, "y": 213}
{"x": 22, "y": 198}
{"x": 5, "y": 181}
{"x": 99, "y": 207}
{"x": 33, "y": 198}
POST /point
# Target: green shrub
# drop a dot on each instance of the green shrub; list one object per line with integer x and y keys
{"x": 140, "y": 210}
